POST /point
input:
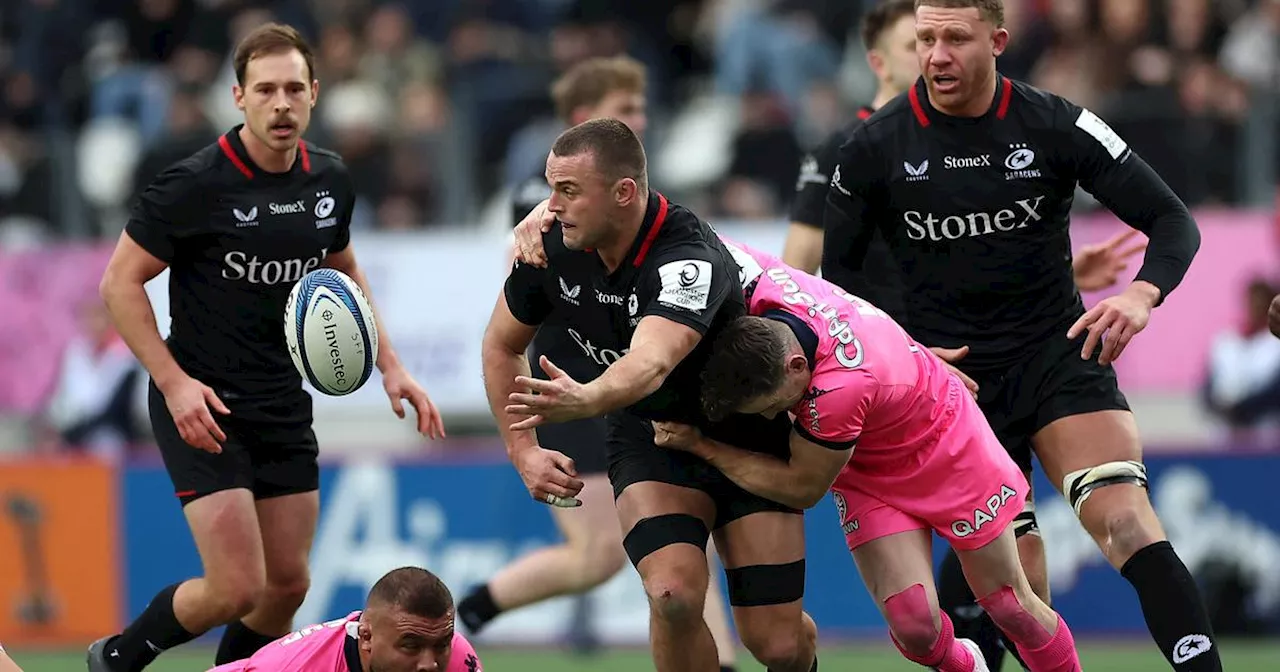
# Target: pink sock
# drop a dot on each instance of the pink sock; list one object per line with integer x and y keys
{"x": 1059, "y": 655}
{"x": 948, "y": 654}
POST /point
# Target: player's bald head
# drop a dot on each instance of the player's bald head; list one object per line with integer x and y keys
{"x": 412, "y": 590}
{"x": 615, "y": 150}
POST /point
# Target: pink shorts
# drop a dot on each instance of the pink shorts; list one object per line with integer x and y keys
{"x": 961, "y": 483}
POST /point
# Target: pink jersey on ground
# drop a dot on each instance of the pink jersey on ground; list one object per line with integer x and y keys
{"x": 322, "y": 648}
{"x": 925, "y": 456}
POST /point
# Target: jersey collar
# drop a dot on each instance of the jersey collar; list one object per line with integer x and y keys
{"x": 925, "y": 114}
{"x": 351, "y": 652}
{"x": 803, "y": 332}
{"x": 233, "y": 148}
{"x": 655, "y": 215}
{"x": 864, "y": 113}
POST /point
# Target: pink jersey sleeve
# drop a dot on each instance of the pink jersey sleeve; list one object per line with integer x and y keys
{"x": 464, "y": 657}
{"x": 833, "y": 411}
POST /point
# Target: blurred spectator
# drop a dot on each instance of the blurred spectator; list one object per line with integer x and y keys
{"x": 761, "y": 178}
{"x": 1242, "y": 388}
{"x": 92, "y": 405}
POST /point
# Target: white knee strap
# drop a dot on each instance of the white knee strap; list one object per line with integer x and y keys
{"x": 1078, "y": 485}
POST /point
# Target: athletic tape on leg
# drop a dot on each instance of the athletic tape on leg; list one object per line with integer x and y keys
{"x": 651, "y": 534}
{"x": 1025, "y": 523}
{"x": 763, "y": 585}
{"x": 1078, "y": 485}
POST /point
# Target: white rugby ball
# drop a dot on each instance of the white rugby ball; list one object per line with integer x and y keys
{"x": 330, "y": 332}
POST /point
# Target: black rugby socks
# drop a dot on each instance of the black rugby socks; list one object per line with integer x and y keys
{"x": 239, "y": 641}
{"x": 1174, "y": 609}
{"x": 477, "y": 609}
{"x": 155, "y": 630}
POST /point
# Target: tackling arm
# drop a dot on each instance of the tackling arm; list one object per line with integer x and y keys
{"x": 799, "y": 483}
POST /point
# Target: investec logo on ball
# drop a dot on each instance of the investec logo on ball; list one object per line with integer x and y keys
{"x": 601, "y": 356}
{"x": 240, "y": 266}
{"x": 928, "y": 226}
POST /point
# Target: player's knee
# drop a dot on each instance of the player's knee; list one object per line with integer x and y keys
{"x": 911, "y": 620}
{"x": 235, "y": 601}
{"x": 287, "y": 594}
{"x": 776, "y": 639}
{"x": 1007, "y": 609}
{"x": 676, "y": 594}
{"x": 1125, "y": 527}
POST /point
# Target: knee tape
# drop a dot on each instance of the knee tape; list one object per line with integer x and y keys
{"x": 1078, "y": 485}
{"x": 911, "y": 624}
{"x": 1014, "y": 619}
{"x": 764, "y": 585}
{"x": 1025, "y": 522}
{"x": 651, "y": 534}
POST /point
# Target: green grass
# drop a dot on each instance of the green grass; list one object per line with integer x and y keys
{"x": 871, "y": 657}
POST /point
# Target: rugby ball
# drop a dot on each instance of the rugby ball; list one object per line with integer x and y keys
{"x": 330, "y": 332}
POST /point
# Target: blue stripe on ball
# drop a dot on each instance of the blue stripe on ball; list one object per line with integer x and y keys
{"x": 304, "y": 298}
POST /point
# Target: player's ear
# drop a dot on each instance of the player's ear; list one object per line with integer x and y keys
{"x": 797, "y": 363}
{"x": 999, "y": 41}
{"x": 875, "y": 61}
{"x": 626, "y": 191}
{"x": 365, "y": 634}
{"x": 237, "y": 94}
{"x": 315, "y": 91}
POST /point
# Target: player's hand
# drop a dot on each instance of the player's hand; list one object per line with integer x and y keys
{"x": 676, "y": 435}
{"x": 559, "y": 399}
{"x": 529, "y": 232}
{"x": 1273, "y": 317}
{"x": 189, "y": 401}
{"x": 401, "y": 386}
{"x": 1115, "y": 321}
{"x": 950, "y": 356}
{"x": 550, "y": 476}
{"x": 1098, "y": 266}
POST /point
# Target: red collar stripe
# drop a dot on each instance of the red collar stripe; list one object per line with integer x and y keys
{"x": 305, "y": 156}
{"x": 225, "y": 145}
{"x": 653, "y": 231}
{"x": 1006, "y": 94}
{"x": 914, "y": 97}
{"x": 864, "y": 113}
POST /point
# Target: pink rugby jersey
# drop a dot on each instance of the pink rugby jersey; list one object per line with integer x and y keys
{"x": 872, "y": 385}
{"x": 331, "y": 647}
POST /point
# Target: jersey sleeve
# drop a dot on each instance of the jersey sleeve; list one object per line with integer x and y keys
{"x": 343, "y": 238}
{"x": 687, "y": 284}
{"x": 167, "y": 211}
{"x": 1108, "y": 168}
{"x": 848, "y": 217}
{"x": 814, "y": 180}
{"x": 526, "y": 294}
{"x": 833, "y": 413}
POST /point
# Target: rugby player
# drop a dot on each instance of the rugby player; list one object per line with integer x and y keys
{"x": 926, "y": 460}
{"x": 238, "y": 224}
{"x": 642, "y": 281}
{"x": 970, "y": 179}
{"x": 406, "y": 626}
{"x": 592, "y": 552}
{"x": 1273, "y": 317}
{"x": 6, "y": 663}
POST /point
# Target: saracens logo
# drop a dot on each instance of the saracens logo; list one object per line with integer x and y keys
{"x": 929, "y": 226}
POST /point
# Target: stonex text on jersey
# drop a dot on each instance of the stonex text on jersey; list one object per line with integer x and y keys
{"x": 236, "y": 238}
{"x": 976, "y": 214}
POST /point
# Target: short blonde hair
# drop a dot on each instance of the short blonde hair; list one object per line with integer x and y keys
{"x": 588, "y": 82}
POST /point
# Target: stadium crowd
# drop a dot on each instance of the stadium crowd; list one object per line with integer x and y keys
{"x": 440, "y": 106}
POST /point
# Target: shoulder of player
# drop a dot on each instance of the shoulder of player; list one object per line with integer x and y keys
{"x": 684, "y": 233}
{"x": 1038, "y": 109}
{"x": 326, "y": 161}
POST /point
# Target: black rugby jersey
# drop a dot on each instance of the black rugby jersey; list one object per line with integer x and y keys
{"x": 877, "y": 281}
{"x": 559, "y": 345}
{"x": 976, "y": 212}
{"x": 677, "y": 268}
{"x": 236, "y": 239}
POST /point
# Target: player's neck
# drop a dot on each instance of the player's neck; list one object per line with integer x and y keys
{"x": 264, "y": 157}
{"x": 614, "y": 252}
{"x": 976, "y": 106}
{"x": 883, "y": 95}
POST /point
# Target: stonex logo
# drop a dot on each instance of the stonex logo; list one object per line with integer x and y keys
{"x": 952, "y": 162}
{"x": 601, "y": 356}
{"x": 240, "y": 266}
{"x": 928, "y": 226}
{"x": 293, "y": 208}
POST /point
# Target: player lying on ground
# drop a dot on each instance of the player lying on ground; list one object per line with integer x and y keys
{"x": 407, "y": 625}
{"x": 248, "y": 481}
{"x": 925, "y": 459}
{"x": 633, "y": 273}
{"x": 592, "y": 551}
{"x": 970, "y": 179}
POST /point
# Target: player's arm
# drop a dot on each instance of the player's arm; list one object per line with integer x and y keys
{"x": 847, "y": 219}
{"x": 799, "y": 482}
{"x": 1107, "y": 168}
{"x": 680, "y": 302}
{"x": 161, "y": 216}
{"x": 803, "y": 247}
{"x": 520, "y": 308}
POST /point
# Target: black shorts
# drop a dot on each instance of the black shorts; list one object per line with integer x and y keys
{"x": 634, "y": 459}
{"x": 1050, "y": 384}
{"x": 270, "y": 449}
{"x": 581, "y": 440}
